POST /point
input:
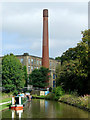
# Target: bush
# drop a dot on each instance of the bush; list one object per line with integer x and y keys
{"x": 59, "y": 91}
{"x": 56, "y": 97}
{"x": 56, "y": 93}
{"x": 50, "y": 96}
{"x": 78, "y": 101}
{"x": 74, "y": 93}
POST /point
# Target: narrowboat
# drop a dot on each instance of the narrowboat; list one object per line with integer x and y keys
{"x": 17, "y": 102}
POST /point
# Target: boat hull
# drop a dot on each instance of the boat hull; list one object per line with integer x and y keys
{"x": 16, "y": 107}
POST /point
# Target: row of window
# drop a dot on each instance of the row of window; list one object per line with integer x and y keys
{"x": 32, "y": 68}
{"x": 32, "y": 61}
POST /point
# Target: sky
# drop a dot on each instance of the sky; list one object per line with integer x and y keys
{"x": 22, "y": 26}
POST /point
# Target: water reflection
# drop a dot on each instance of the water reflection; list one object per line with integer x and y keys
{"x": 46, "y": 109}
{"x": 16, "y": 113}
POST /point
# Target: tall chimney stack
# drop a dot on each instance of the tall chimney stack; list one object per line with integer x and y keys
{"x": 45, "y": 49}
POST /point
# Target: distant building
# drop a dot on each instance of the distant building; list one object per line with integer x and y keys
{"x": 35, "y": 62}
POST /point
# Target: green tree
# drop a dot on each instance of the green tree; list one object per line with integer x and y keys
{"x": 12, "y": 73}
{"x": 39, "y": 77}
{"x": 68, "y": 78}
{"x": 73, "y": 73}
{"x": 25, "y": 74}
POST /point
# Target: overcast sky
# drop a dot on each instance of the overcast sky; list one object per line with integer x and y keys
{"x": 22, "y": 27}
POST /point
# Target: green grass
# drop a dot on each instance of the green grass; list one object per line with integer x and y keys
{"x": 5, "y": 100}
{"x": 2, "y": 107}
{"x": 42, "y": 96}
{"x": 6, "y": 94}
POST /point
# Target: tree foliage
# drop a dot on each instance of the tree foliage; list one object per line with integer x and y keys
{"x": 39, "y": 77}
{"x": 73, "y": 73}
{"x": 12, "y": 73}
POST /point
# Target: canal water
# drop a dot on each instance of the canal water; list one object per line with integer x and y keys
{"x": 39, "y": 108}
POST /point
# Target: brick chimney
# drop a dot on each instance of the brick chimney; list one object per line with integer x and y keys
{"x": 45, "y": 46}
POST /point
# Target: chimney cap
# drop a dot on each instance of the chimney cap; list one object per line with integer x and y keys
{"x": 26, "y": 54}
{"x": 45, "y": 13}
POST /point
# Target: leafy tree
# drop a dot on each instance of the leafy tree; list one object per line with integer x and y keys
{"x": 25, "y": 74}
{"x": 70, "y": 54}
{"x": 68, "y": 77}
{"x": 39, "y": 77}
{"x": 12, "y": 73}
{"x": 73, "y": 73}
{"x": 58, "y": 58}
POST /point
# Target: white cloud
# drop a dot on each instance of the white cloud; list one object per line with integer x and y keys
{"x": 24, "y": 24}
{"x": 65, "y": 25}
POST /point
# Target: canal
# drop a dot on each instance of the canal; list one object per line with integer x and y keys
{"x": 39, "y": 108}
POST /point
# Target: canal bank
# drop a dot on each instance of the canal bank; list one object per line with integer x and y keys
{"x": 80, "y": 102}
{"x": 5, "y": 101}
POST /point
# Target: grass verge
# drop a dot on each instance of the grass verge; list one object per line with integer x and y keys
{"x": 81, "y": 101}
{"x": 4, "y": 106}
{"x": 38, "y": 97}
{"x": 5, "y": 100}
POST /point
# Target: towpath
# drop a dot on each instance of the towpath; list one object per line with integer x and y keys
{"x": 5, "y": 102}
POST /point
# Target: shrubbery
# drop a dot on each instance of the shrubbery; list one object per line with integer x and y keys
{"x": 50, "y": 96}
{"x": 55, "y": 94}
{"x": 81, "y": 101}
{"x": 59, "y": 91}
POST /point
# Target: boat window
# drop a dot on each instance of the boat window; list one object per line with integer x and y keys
{"x": 16, "y": 100}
